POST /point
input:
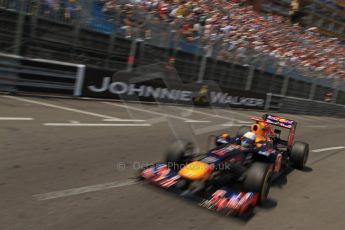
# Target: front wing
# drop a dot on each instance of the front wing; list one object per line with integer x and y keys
{"x": 224, "y": 200}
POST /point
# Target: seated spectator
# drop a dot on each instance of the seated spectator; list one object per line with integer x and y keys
{"x": 228, "y": 29}
{"x": 243, "y": 33}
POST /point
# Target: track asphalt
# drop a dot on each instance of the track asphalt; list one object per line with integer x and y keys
{"x": 69, "y": 164}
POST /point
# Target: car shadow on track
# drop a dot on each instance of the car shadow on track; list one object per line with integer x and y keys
{"x": 268, "y": 205}
{"x": 243, "y": 219}
{"x": 239, "y": 219}
{"x": 307, "y": 169}
{"x": 282, "y": 180}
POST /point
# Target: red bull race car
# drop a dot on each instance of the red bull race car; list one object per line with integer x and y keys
{"x": 237, "y": 173}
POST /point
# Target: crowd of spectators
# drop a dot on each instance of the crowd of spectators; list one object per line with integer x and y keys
{"x": 67, "y": 10}
{"x": 238, "y": 30}
{"x": 227, "y": 28}
{"x": 63, "y": 10}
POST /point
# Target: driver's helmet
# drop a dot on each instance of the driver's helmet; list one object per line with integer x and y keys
{"x": 248, "y": 140}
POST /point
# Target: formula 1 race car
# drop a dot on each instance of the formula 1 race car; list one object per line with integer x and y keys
{"x": 231, "y": 178}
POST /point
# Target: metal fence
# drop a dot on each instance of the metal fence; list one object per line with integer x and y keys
{"x": 20, "y": 74}
{"x": 83, "y": 33}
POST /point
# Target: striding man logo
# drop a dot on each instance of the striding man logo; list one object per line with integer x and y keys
{"x": 202, "y": 96}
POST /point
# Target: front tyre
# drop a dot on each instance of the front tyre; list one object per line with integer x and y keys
{"x": 258, "y": 180}
{"x": 299, "y": 154}
{"x": 179, "y": 152}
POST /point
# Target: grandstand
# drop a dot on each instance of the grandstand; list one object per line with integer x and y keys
{"x": 327, "y": 15}
{"x": 285, "y": 8}
{"x": 100, "y": 33}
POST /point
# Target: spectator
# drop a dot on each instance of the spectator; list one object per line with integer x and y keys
{"x": 231, "y": 29}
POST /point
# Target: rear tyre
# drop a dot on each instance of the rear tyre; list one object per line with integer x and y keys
{"x": 179, "y": 152}
{"x": 299, "y": 154}
{"x": 258, "y": 180}
{"x": 243, "y": 130}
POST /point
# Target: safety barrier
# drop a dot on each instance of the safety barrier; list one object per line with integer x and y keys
{"x": 19, "y": 74}
{"x": 158, "y": 82}
{"x": 295, "y": 105}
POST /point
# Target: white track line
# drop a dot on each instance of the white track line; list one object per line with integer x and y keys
{"x": 197, "y": 121}
{"x": 248, "y": 116}
{"x": 303, "y": 119}
{"x": 232, "y": 125}
{"x": 95, "y": 125}
{"x": 214, "y": 128}
{"x": 208, "y": 129}
{"x": 65, "y": 108}
{"x": 314, "y": 118}
{"x": 74, "y": 122}
{"x": 154, "y": 112}
{"x": 81, "y": 190}
{"x": 212, "y": 115}
{"x": 328, "y": 149}
{"x": 16, "y": 118}
{"x": 123, "y": 120}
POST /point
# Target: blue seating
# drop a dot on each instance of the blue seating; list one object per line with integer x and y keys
{"x": 98, "y": 19}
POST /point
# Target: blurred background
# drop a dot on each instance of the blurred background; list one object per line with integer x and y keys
{"x": 286, "y": 47}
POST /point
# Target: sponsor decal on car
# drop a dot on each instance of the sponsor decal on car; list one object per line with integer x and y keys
{"x": 229, "y": 202}
{"x": 161, "y": 175}
{"x": 210, "y": 159}
{"x": 275, "y": 120}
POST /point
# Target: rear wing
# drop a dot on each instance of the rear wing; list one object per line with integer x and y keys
{"x": 279, "y": 121}
{"x": 284, "y": 123}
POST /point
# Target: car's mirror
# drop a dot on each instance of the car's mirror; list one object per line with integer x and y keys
{"x": 222, "y": 139}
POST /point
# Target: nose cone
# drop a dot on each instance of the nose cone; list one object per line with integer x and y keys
{"x": 196, "y": 170}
